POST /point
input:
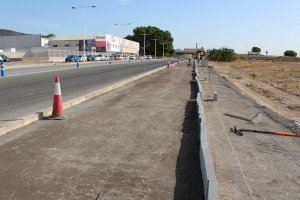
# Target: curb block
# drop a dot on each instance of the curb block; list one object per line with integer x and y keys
{"x": 210, "y": 182}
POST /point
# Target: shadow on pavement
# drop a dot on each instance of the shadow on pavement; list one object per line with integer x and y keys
{"x": 188, "y": 174}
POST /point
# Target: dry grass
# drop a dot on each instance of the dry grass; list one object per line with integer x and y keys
{"x": 279, "y": 82}
{"x": 284, "y": 75}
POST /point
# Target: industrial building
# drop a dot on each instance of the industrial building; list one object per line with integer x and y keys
{"x": 98, "y": 43}
{"x": 20, "y": 42}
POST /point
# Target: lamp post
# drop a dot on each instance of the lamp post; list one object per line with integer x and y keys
{"x": 155, "y": 39}
{"x": 144, "y": 34}
{"x": 163, "y": 49}
{"x": 122, "y": 24}
{"x": 83, "y": 13}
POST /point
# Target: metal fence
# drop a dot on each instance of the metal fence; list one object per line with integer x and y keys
{"x": 210, "y": 182}
{"x": 57, "y": 53}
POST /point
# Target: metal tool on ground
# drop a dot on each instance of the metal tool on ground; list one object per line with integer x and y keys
{"x": 256, "y": 119}
{"x": 239, "y": 132}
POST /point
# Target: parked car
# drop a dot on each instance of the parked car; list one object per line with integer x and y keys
{"x": 148, "y": 57}
{"x": 107, "y": 57}
{"x": 132, "y": 57}
{"x": 101, "y": 57}
{"x": 5, "y": 58}
{"x": 72, "y": 58}
{"x": 91, "y": 58}
{"x": 82, "y": 58}
{"x": 118, "y": 57}
{"x": 97, "y": 58}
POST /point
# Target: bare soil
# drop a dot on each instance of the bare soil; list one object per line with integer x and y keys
{"x": 275, "y": 85}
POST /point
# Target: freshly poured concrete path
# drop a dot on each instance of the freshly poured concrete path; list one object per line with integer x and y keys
{"x": 137, "y": 142}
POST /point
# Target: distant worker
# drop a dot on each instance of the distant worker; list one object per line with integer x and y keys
{"x": 199, "y": 57}
{"x": 190, "y": 60}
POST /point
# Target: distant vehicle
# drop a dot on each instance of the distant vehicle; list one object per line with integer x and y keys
{"x": 91, "y": 58}
{"x": 82, "y": 58}
{"x": 72, "y": 58}
{"x": 148, "y": 57}
{"x": 107, "y": 57}
{"x": 118, "y": 57}
{"x": 132, "y": 57}
{"x": 97, "y": 58}
{"x": 101, "y": 57}
{"x": 5, "y": 58}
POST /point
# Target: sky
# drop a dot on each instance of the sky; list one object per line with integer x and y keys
{"x": 272, "y": 25}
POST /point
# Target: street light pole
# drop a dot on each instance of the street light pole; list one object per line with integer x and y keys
{"x": 144, "y": 34}
{"x": 163, "y": 49}
{"x": 83, "y": 13}
{"x": 155, "y": 47}
{"x": 120, "y": 24}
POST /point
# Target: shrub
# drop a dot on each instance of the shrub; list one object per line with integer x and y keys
{"x": 223, "y": 55}
{"x": 253, "y": 75}
{"x": 290, "y": 53}
{"x": 256, "y": 49}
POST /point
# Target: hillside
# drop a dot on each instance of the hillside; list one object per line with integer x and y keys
{"x": 5, "y": 32}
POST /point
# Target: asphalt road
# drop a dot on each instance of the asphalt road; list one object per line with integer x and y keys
{"x": 20, "y": 70}
{"x": 32, "y": 89}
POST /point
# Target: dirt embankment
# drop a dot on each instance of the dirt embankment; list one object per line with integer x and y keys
{"x": 275, "y": 85}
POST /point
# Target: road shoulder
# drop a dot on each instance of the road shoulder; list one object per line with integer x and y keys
{"x": 137, "y": 142}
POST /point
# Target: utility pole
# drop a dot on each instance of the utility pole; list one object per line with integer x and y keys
{"x": 83, "y": 13}
{"x": 196, "y": 46}
{"x": 155, "y": 47}
{"x": 144, "y": 34}
{"x": 163, "y": 49}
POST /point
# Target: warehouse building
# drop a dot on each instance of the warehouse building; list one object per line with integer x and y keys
{"x": 20, "y": 42}
{"x": 98, "y": 43}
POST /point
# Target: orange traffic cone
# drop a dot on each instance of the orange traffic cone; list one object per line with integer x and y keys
{"x": 57, "y": 110}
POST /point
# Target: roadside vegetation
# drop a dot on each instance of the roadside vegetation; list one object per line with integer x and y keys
{"x": 162, "y": 36}
{"x": 222, "y": 55}
{"x": 290, "y": 53}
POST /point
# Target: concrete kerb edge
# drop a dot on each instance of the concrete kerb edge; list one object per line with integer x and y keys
{"x": 210, "y": 182}
{"x": 28, "y": 119}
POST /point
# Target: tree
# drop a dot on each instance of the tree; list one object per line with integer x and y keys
{"x": 48, "y": 36}
{"x": 163, "y": 36}
{"x": 256, "y": 49}
{"x": 223, "y": 55}
{"x": 290, "y": 53}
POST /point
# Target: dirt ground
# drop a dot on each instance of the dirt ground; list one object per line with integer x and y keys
{"x": 275, "y": 85}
